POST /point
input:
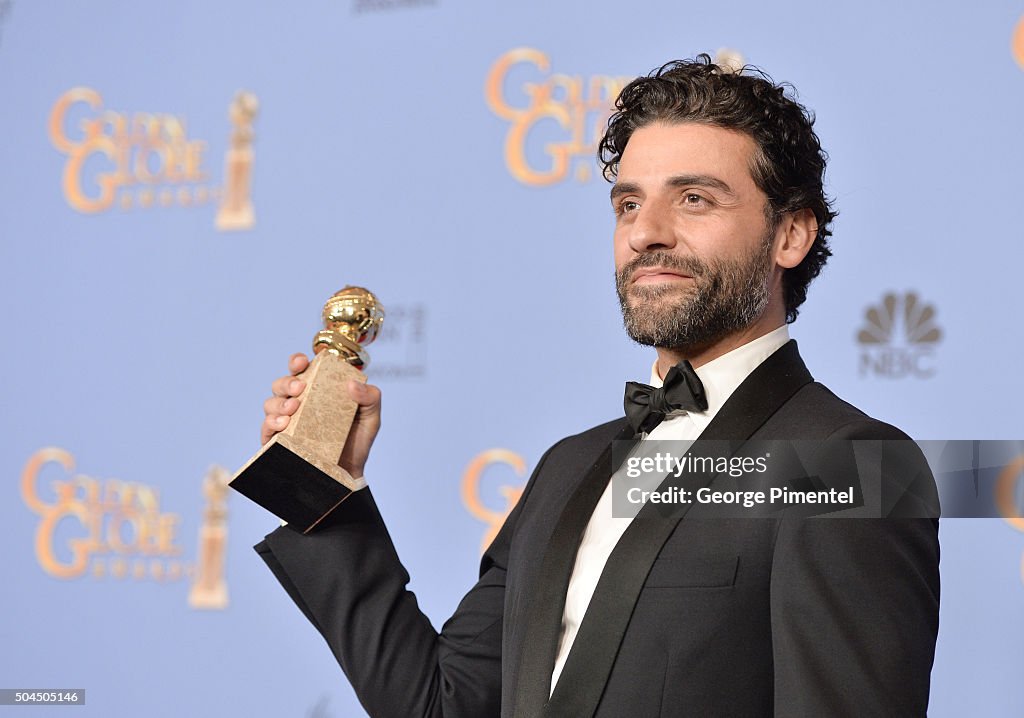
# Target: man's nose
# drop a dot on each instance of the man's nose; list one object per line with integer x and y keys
{"x": 652, "y": 228}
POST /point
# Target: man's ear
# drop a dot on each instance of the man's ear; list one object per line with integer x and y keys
{"x": 794, "y": 236}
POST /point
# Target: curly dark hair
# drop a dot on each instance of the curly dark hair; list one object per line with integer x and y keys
{"x": 789, "y": 165}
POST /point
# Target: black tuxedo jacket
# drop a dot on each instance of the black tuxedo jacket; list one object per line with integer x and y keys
{"x": 724, "y": 617}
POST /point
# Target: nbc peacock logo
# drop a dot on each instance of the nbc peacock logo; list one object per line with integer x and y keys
{"x": 899, "y": 337}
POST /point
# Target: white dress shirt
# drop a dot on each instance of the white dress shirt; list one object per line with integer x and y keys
{"x": 720, "y": 378}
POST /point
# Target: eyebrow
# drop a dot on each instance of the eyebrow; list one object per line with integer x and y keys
{"x": 678, "y": 181}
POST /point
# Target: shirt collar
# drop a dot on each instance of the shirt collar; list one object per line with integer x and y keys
{"x": 723, "y": 375}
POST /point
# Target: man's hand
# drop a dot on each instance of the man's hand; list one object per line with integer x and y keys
{"x": 286, "y": 399}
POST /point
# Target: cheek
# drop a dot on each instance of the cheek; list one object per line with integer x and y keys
{"x": 729, "y": 239}
{"x": 621, "y": 249}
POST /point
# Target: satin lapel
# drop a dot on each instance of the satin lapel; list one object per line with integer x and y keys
{"x": 543, "y": 618}
{"x": 590, "y": 661}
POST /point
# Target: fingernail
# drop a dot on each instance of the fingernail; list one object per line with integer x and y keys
{"x": 280, "y": 420}
{"x": 286, "y": 405}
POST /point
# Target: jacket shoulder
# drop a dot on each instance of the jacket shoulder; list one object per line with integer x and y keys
{"x": 596, "y": 437}
{"x": 814, "y": 412}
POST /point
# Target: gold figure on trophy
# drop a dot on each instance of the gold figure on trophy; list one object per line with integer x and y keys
{"x": 210, "y": 589}
{"x": 352, "y": 317}
{"x": 296, "y": 474}
{"x": 236, "y": 210}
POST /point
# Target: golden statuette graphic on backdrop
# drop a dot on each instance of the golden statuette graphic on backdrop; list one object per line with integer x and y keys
{"x": 210, "y": 589}
{"x": 236, "y": 204}
{"x": 296, "y": 475}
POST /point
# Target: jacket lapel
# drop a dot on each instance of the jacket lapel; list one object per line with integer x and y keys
{"x": 543, "y": 617}
{"x": 590, "y": 661}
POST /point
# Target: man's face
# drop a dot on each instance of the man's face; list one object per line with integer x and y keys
{"x": 693, "y": 248}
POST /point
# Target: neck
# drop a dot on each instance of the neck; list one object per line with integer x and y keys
{"x": 701, "y": 354}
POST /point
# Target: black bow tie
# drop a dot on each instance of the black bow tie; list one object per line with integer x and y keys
{"x": 647, "y": 406}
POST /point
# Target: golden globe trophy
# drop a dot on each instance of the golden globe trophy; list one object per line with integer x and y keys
{"x": 296, "y": 475}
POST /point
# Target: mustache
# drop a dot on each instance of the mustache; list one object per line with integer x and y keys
{"x": 685, "y": 264}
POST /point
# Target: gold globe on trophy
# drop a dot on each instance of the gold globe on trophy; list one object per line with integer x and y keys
{"x": 296, "y": 475}
{"x": 352, "y": 318}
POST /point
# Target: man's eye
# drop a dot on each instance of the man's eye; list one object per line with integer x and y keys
{"x": 627, "y": 206}
{"x": 694, "y": 200}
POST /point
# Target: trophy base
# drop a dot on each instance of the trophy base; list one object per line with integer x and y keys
{"x": 234, "y": 220}
{"x": 311, "y": 492}
{"x": 209, "y": 599}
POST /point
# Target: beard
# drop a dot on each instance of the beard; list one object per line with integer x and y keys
{"x": 723, "y": 297}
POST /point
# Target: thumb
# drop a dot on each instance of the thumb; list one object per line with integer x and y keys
{"x": 366, "y": 396}
{"x": 364, "y": 427}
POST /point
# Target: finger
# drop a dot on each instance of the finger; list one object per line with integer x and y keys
{"x": 366, "y": 395}
{"x": 298, "y": 363}
{"x": 272, "y": 425}
{"x": 276, "y": 405}
{"x": 287, "y": 386}
{"x": 364, "y": 428}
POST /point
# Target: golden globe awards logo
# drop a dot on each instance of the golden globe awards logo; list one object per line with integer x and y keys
{"x": 493, "y": 516}
{"x": 555, "y": 119}
{"x": 112, "y": 529}
{"x": 1010, "y": 497}
{"x": 140, "y": 160}
{"x": 1017, "y": 43}
{"x": 899, "y": 337}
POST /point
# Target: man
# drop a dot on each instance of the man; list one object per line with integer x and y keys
{"x": 721, "y": 223}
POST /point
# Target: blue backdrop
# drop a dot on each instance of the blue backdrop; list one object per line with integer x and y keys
{"x": 183, "y": 185}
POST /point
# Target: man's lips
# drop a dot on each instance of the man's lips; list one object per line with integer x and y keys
{"x": 657, "y": 275}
